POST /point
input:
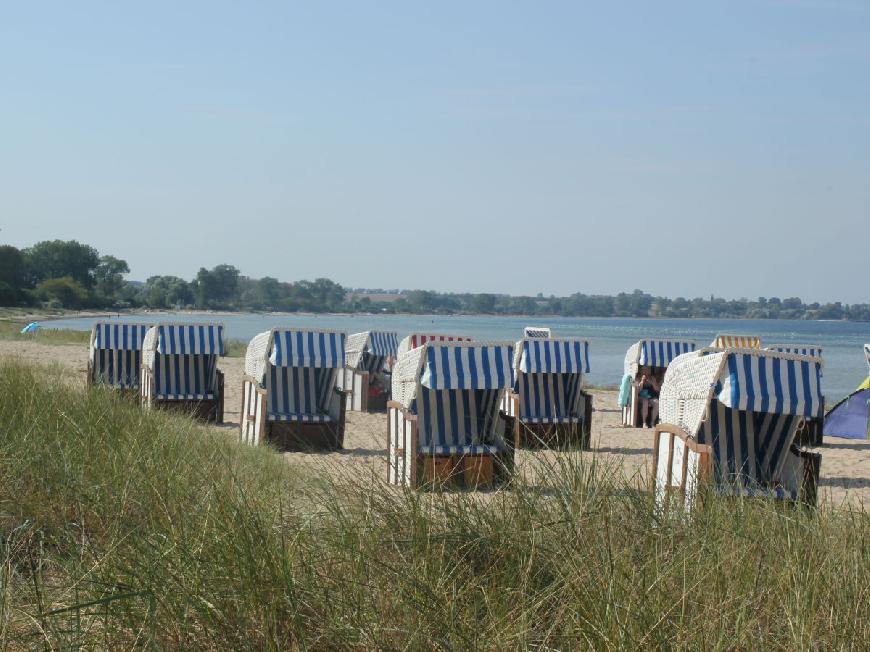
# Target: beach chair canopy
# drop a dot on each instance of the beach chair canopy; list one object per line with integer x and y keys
{"x": 454, "y": 389}
{"x": 537, "y": 331}
{"x": 297, "y": 367}
{"x": 655, "y": 353}
{"x": 746, "y": 404}
{"x": 415, "y": 340}
{"x": 549, "y": 379}
{"x": 183, "y": 359}
{"x": 116, "y": 353}
{"x": 117, "y": 336}
{"x": 369, "y": 351}
{"x": 737, "y": 342}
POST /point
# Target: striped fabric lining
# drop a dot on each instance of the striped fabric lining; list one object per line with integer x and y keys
{"x": 303, "y": 348}
{"x": 119, "y": 337}
{"x": 190, "y": 339}
{"x": 456, "y": 418}
{"x": 185, "y": 377}
{"x": 737, "y": 341}
{"x": 484, "y": 366}
{"x": 298, "y": 418}
{"x": 554, "y": 356}
{"x": 118, "y": 368}
{"x": 550, "y": 398}
{"x": 660, "y": 353}
{"x": 537, "y": 332}
{"x": 383, "y": 343}
{"x": 749, "y": 448}
{"x": 371, "y": 363}
{"x": 761, "y": 383}
{"x": 299, "y": 393}
{"x": 797, "y": 349}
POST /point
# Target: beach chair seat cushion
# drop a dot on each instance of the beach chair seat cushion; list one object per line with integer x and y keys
{"x": 299, "y": 417}
{"x": 473, "y": 449}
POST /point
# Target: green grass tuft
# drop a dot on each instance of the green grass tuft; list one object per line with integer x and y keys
{"x": 125, "y": 528}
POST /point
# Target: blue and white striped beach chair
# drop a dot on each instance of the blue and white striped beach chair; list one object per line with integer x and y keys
{"x": 289, "y": 392}
{"x": 729, "y": 418}
{"x": 115, "y": 354}
{"x": 414, "y": 340}
{"x": 655, "y": 354}
{"x": 369, "y": 358}
{"x": 444, "y": 419}
{"x": 547, "y": 405}
{"x": 537, "y": 332}
{"x": 179, "y": 368}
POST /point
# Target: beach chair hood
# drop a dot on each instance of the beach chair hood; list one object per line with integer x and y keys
{"x": 736, "y": 342}
{"x": 368, "y": 348}
{"x": 749, "y": 380}
{"x": 183, "y": 359}
{"x": 551, "y": 356}
{"x": 452, "y": 366}
{"x": 655, "y": 353}
{"x": 538, "y": 332}
{"x": 303, "y": 348}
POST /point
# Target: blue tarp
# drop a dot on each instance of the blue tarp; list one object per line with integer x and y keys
{"x": 32, "y": 327}
{"x": 850, "y": 417}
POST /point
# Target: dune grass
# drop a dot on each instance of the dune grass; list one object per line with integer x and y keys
{"x": 11, "y": 330}
{"x": 123, "y": 528}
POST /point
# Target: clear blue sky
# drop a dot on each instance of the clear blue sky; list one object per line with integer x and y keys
{"x": 682, "y": 148}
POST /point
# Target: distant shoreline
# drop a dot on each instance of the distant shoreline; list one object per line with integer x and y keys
{"x": 12, "y": 314}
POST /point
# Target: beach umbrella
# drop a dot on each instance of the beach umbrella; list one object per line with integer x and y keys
{"x": 32, "y": 327}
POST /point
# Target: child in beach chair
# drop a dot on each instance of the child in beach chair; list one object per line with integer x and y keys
{"x": 729, "y": 419}
{"x": 444, "y": 425}
{"x": 547, "y": 405}
{"x": 289, "y": 392}
{"x": 179, "y": 369}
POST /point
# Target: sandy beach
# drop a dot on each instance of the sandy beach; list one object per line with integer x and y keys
{"x": 845, "y": 469}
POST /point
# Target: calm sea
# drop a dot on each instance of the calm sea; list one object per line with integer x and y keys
{"x": 842, "y": 342}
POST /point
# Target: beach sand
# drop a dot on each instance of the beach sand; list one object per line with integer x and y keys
{"x": 845, "y": 469}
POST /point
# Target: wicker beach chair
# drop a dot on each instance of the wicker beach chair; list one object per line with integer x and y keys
{"x": 811, "y": 431}
{"x": 115, "y": 355}
{"x": 538, "y": 332}
{"x": 729, "y": 418}
{"x": 444, "y": 423}
{"x": 289, "y": 392}
{"x": 737, "y": 342}
{"x": 547, "y": 406}
{"x": 655, "y": 354}
{"x": 179, "y": 369}
{"x": 366, "y": 375}
{"x": 415, "y": 340}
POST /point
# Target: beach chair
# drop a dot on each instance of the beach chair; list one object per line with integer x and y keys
{"x": 810, "y": 432}
{"x": 539, "y": 332}
{"x": 737, "y": 342}
{"x": 415, "y": 340}
{"x": 179, "y": 369}
{"x": 444, "y": 424}
{"x": 655, "y": 354}
{"x": 547, "y": 406}
{"x": 729, "y": 418}
{"x": 366, "y": 375}
{"x": 289, "y": 392}
{"x": 115, "y": 355}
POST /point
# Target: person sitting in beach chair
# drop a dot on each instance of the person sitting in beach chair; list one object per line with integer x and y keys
{"x": 648, "y": 387}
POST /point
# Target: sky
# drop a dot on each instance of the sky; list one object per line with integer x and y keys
{"x": 682, "y": 148}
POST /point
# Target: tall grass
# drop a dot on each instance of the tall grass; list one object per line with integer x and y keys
{"x": 11, "y": 330}
{"x": 122, "y": 528}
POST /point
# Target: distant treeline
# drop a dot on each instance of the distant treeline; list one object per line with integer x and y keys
{"x": 67, "y": 274}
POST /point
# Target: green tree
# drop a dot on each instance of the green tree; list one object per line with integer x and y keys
{"x": 109, "y": 279}
{"x": 13, "y": 277}
{"x": 66, "y": 291}
{"x": 216, "y": 288}
{"x": 59, "y": 259}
